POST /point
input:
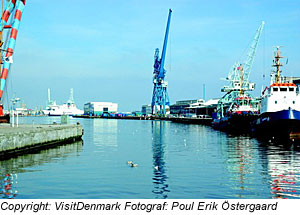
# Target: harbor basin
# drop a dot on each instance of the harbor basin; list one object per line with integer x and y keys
{"x": 172, "y": 160}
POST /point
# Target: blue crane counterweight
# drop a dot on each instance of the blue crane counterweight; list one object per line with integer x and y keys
{"x": 160, "y": 98}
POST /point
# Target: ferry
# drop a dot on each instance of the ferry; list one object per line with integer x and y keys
{"x": 68, "y": 108}
{"x": 280, "y": 107}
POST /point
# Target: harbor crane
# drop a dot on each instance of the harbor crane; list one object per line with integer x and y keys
{"x": 160, "y": 97}
{"x": 10, "y": 21}
{"x": 238, "y": 76}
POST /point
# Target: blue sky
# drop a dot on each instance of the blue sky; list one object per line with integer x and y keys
{"x": 104, "y": 49}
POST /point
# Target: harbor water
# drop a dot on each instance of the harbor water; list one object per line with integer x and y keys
{"x": 173, "y": 161}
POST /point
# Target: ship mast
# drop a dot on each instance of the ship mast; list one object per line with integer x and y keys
{"x": 277, "y": 64}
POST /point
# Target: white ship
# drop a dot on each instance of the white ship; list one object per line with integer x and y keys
{"x": 280, "y": 109}
{"x": 68, "y": 108}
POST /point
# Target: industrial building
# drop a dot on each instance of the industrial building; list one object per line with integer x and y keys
{"x": 99, "y": 108}
{"x": 146, "y": 109}
{"x": 182, "y": 107}
{"x": 295, "y": 80}
{"x": 204, "y": 109}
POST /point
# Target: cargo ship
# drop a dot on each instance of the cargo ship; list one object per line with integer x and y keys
{"x": 280, "y": 107}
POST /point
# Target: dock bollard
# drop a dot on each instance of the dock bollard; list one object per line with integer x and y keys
{"x": 64, "y": 119}
{"x": 13, "y": 119}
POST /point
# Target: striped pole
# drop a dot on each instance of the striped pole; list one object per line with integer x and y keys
{"x": 19, "y": 5}
{"x": 9, "y": 8}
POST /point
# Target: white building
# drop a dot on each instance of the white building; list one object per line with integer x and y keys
{"x": 98, "y": 108}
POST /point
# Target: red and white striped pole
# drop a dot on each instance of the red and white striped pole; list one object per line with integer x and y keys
{"x": 18, "y": 5}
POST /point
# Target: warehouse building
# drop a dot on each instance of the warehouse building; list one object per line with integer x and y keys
{"x": 146, "y": 110}
{"x": 182, "y": 107}
{"x": 99, "y": 108}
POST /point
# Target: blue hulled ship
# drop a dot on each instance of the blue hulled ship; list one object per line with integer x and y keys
{"x": 280, "y": 107}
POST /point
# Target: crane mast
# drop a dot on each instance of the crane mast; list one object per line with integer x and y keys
{"x": 15, "y": 7}
{"x": 160, "y": 98}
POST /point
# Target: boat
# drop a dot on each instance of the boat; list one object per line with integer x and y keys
{"x": 280, "y": 107}
{"x": 238, "y": 115}
{"x": 68, "y": 108}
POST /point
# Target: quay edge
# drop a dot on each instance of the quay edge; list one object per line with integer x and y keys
{"x": 28, "y": 138}
{"x": 184, "y": 120}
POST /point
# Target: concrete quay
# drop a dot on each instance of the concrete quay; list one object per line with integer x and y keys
{"x": 185, "y": 120}
{"x": 28, "y": 138}
{"x": 190, "y": 120}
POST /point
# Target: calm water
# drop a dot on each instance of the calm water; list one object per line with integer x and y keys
{"x": 174, "y": 161}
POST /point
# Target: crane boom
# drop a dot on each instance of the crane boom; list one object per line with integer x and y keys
{"x": 238, "y": 76}
{"x": 251, "y": 54}
{"x": 163, "y": 53}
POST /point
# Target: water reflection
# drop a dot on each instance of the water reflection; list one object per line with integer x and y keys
{"x": 159, "y": 171}
{"x": 7, "y": 186}
{"x": 282, "y": 161}
{"x": 105, "y": 132}
{"x": 10, "y": 168}
{"x": 240, "y": 164}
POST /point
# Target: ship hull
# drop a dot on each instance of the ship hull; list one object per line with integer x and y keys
{"x": 60, "y": 114}
{"x": 63, "y": 111}
{"x": 236, "y": 123}
{"x": 5, "y": 118}
{"x": 282, "y": 124}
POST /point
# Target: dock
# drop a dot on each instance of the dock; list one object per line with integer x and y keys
{"x": 28, "y": 138}
{"x": 191, "y": 120}
{"x": 185, "y": 120}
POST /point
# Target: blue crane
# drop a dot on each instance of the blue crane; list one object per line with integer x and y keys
{"x": 160, "y": 98}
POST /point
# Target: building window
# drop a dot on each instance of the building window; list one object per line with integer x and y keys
{"x": 275, "y": 89}
{"x": 283, "y": 89}
{"x": 275, "y": 102}
{"x": 293, "y": 102}
{"x": 291, "y": 89}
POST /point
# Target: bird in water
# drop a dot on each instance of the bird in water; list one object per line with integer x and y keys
{"x": 131, "y": 164}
